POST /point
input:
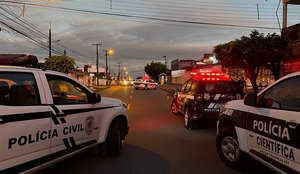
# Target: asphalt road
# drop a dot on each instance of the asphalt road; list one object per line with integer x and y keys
{"x": 157, "y": 143}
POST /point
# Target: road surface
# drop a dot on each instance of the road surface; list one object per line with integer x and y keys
{"x": 157, "y": 143}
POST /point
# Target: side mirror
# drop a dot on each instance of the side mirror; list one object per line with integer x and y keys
{"x": 98, "y": 98}
{"x": 94, "y": 98}
{"x": 250, "y": 100}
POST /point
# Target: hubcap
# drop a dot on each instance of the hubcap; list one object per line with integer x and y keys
{"x": 230, "y": 148}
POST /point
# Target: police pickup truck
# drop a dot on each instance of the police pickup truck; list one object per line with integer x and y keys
{"x": 265, "y": 127}
{"x": 47, "y": 116}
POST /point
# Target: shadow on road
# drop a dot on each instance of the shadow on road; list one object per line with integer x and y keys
{"x": 134, "y": 160}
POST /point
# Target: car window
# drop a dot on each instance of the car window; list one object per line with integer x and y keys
{"x": 220, "y": 87}
{"x": 18, "y": 89}
{"x": 188, "y": 86}
{"x": 183, "y": 87}
{"x": 66, "y": 91}
{"x": 194, "y": 86}
{"x": 284, "y": 95}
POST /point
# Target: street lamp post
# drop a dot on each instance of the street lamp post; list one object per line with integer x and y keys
{"x": 107, "y": 52}
{"x": 97, "y": 63}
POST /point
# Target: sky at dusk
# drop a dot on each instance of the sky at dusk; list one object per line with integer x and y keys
{"x": 139, "y": 31}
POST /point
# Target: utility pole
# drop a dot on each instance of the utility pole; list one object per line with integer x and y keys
{"x": 97, "y": 62}
{"x": 119, "y": 69}
{"x": 165, "y": 60}
{"x": 106, "y": 54}
{"x": 50, "y": 41}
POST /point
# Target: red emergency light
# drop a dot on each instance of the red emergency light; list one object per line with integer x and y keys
{"x": 210, "y": 75}
{"x": 18, "y": 59}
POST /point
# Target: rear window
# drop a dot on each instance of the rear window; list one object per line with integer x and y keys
{"x": 219, "y": 87}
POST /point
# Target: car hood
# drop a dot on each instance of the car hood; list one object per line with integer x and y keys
{"x": 110, "y": 101}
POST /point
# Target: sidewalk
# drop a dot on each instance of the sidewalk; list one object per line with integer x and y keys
{"x": 170, "y": 87}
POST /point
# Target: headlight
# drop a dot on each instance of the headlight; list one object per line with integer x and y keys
{"x": 125, "y": 105}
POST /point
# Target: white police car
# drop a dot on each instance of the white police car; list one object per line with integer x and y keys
{"x": 265, "y": 127}
{"x": 147, "y": 84}
{"x": 47, "y": 116}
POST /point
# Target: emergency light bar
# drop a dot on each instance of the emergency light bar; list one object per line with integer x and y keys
{"x": 18, "y": 59}
{"x": 210, "y": 75}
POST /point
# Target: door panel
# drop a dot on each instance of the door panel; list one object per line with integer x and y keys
{"x": 272, "y": 137}
{"x": 25, "y": 124}
{"x": 72, "y": 116}
{"x": 26, "y": 133}
{"x": 76, "y": 125}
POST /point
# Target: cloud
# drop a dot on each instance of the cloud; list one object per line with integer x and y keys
{"x": 137, "y": 44}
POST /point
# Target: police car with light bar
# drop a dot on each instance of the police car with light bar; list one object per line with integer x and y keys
{"x": 265, "y": 127}
{"x": 145, "y": 84}
{"x": 201, "y": 97}
{"x": 47, "y": 116}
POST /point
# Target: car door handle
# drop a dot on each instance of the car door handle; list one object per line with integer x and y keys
{"x": 61, "y": 114}
{"x": 292, "y": 124}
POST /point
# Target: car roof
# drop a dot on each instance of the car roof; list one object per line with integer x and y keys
{"x": 29, "y": 69}
{"x": 19, "y": 68}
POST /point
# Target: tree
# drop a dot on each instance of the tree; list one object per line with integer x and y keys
{"x": 155, "y": 68}
{"x": 60, "y": 63}
{"x": 253, "y": 52}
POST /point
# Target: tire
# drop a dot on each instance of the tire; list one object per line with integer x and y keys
{"x": 114, "y": 140}
{"x": 187, "y": 120}
{"x": 137, "y": 88}
{"x": 146, "y": 87}
{"x": 229, "y": 149}
{"x": 174, "y": 108}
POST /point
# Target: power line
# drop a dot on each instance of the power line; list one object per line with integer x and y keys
{"x": 145, "y": 17}
{"x": 33, "y": 29}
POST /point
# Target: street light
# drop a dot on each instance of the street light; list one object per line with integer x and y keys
{"x": 107, "y": 52}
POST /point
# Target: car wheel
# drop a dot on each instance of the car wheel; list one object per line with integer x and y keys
{"x": 174, "y": 108}
{"x": 114, "y": 139}
{"x": 137, "y": 88}
{"x": 229, "y": 149}
{"x": 187, "y": 120}
{"x": 146, "y": 87}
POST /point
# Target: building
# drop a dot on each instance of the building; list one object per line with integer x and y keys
{"x": 180, "y": 69}
{"x": 81, "y": 77}
{"x": 292, "y": 64}
{"x": 91, "y": 70}
{"x": 181, "y": 64}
